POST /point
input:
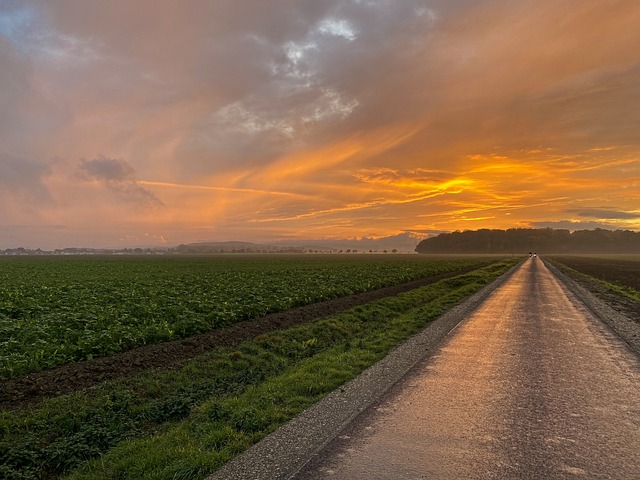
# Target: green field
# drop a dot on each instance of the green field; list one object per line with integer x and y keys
{"x": 57, "y": 310}
{"x": 186, "y": 423}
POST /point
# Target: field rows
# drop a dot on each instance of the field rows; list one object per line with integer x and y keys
{"x": 621, "y": 270}
{"x": 188, "y": 422}
{"x": 59, "y": 310}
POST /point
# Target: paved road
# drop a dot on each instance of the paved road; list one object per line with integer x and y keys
{"x": 531, "y": 386}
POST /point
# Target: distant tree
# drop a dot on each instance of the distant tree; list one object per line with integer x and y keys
{"x": 522, "y": 240}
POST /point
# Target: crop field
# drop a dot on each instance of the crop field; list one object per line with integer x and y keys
{"x": 618, "y": 270}
{"x": 57, "y": 310}
{"x": 184, "y": 423}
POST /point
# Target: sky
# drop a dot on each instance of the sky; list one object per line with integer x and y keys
{"x": 160, "y": 122}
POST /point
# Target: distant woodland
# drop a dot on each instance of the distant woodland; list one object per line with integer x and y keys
{"x": 524, "y": 240}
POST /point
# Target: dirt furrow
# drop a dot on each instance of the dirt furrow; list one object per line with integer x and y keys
{"x": 34, "y": 387}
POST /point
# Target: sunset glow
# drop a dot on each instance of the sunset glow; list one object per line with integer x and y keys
{"x": 165, "y": 122}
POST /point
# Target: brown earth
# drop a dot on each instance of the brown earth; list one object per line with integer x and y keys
{"x": 622, "y": 271}
{"x": 34, "y": 387}
{"x": 619, "y": 271}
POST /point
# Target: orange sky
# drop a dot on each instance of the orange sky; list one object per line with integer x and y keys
{"x": 161, "y": 122}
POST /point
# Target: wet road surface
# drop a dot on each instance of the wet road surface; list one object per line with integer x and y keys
{"x": 531, "y": 386}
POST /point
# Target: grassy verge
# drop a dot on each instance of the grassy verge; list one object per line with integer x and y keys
{"x": 185, "y": 424}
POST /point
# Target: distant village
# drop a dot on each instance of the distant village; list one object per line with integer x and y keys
{"x": 83, "y": 251}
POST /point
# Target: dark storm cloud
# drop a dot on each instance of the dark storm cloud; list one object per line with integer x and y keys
{"x": 119, "y": 177}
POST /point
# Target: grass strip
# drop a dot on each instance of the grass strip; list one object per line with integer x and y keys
{"x": 185, "y": 424}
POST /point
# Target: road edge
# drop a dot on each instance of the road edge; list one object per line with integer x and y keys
{"x": 286, "y": 451}
{"x": 623, "y": 326}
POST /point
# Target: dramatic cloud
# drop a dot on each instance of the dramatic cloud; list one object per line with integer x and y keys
{"x": 261, "y": 120}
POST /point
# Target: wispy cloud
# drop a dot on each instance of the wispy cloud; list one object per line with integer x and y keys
{"x": 218, "y": 188}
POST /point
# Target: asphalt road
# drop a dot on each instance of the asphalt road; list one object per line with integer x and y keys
{"x": 530, "y": 386}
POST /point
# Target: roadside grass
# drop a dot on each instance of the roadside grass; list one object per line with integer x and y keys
{"x": 187, "y": 423}
{"x": 628, "y": 292}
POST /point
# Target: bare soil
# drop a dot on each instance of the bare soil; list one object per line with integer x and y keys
{"x": 34, "y": 387}
{"x": 621, "y": 271}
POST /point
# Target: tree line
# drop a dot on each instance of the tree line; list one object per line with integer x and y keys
{"x": 524, "y": 240}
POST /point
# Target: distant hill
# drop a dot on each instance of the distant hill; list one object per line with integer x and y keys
{"x": 404, "y": 242}
{"x": 234, "y": 247}
{"x": 523, "y": 240}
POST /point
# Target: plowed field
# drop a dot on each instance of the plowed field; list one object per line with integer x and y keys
{"x": 622, "y": 270}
